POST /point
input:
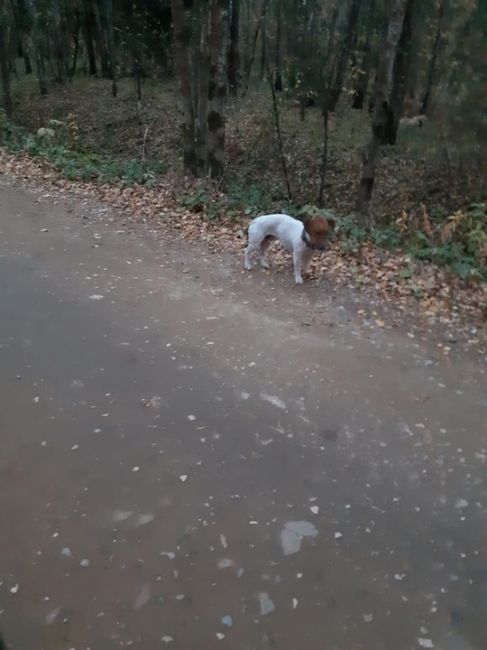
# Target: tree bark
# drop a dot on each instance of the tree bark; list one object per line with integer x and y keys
{"x": 279, "y": 138}
{"x": 203, "y": 78}
{"x": 366, "y": 62}
{"x": 76, "y": 31}
{"x": 101, "y": 38}
{"x": 328, "y": 74}
{"x": 253, "y": 46}
{"x": 89, "y": 29}
{"x": 58, "y": 42}
{"x": 382, "y": 116}
{"x": 39, "y": 28}
{"x": 23, "y": 25}
{"x": 329, "y": 67}
{"x": 217, "y": 89}
{"x": 342, "y": 61}
{"x": 301, "y": 55}
{"x": 433, "y": 58}
{"x": 26, "y": 57}
{"x": 263, "y": 48}
{"x": 278, "y": 54}
{"x": 233, "y": 51}
{"x": 401, "y": 72}
{"x": 4, "y": 63}
{"x": 110, "y": 44}
{"x": 324, "y": 159}
{"x": 182, "y": 38}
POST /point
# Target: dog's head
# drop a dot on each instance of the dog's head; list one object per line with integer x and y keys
{"x": 318, "y": 230}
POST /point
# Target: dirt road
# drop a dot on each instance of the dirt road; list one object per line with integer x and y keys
{"x": 186, "y": 463}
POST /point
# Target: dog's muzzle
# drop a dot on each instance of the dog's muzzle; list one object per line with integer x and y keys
{"x": 313, "y": 247}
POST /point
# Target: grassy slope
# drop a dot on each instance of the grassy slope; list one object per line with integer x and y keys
{"x": 420, "y": 182}
{"x": 413, "y": 172}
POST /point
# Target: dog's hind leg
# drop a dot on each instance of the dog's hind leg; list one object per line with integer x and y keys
{"x": 252, "y": 249}
{"x": 264, "y": 245}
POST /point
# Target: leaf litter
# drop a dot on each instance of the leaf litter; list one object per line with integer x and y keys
{"x": 426, "y": 297}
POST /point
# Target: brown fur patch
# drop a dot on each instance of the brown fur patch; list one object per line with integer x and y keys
{"x": 319, "y": 229}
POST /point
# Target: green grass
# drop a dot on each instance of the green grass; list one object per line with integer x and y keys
{"x": 77, "y": 164}
{"x": 108, "y": 134}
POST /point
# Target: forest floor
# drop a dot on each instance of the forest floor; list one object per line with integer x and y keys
{"x": 195, "y": 457}
{"x": 415, "y": 188}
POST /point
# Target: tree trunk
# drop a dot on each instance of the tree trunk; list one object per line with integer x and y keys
{"x": 76, "y": 32}
{"x": 401, "y": 70}
{"x": 217, "y": 89}
{"x": 382, "y": 116}
{"x": 182, "y": 39}
{"x": 433, "y": 58}
{"x": 203, "y": 78}
{"x": 137, "y": 72}
{"x": 101, "y": 33}
{"x": 366, "y": 62}
{"x": 324, "y": 159}
{"x": 4, "y": 63}
{"x": 233, "y": 52}
{"x": 301, "y": 55}
{"x": 89, "y": 29}
{"x": 342, "y": 60}
{"x": 58, "y": 42}
{"x": 39, "y": 47}
{"x": 263, "y": 48}
{"x": 328, "y": 75}
{"x": 279, "y": 138}
{"x": 278, "y": 57}
{"x": 110, "y": 43}
{"x": 253, "y": 46}
{"x": 41, "y": 69}
{"x": 329, "y": 68}
{"x": 23, "y": 25}
{"x": 27, "y": 63}
{"x": 134, "y": 28}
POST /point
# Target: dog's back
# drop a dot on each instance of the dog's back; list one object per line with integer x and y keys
{"x": 281, "y": 226}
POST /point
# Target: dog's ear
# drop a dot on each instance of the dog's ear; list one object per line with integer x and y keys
{"x": 331, "y": 223}
{"x": 307, "y": 221}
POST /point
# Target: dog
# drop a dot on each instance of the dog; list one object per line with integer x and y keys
{"x": 302, "y": 239}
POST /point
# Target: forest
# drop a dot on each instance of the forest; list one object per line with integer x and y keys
{"x": 373, "y": 109}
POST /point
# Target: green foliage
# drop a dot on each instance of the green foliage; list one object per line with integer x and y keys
{"x": 386, "y": 237}
{"x": 197, "y": 200}
{"x": 251, "y": 199}
{"x": 75, "y": 164}
{"x": 350, "y": 233}
{"x": 310, "y": 210}
{"x": 238, "y": 199}
{"x": 458, "y": 243}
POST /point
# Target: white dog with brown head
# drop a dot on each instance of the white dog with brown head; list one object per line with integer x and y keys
{"x": 302, "y": 239}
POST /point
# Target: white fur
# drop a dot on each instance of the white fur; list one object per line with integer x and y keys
{"x": 288, "y": 231}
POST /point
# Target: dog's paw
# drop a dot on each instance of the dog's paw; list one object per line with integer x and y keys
{"x": 247, "y": 266}
{"x": 298, "y": 280}
{"x": 264, "y": 265}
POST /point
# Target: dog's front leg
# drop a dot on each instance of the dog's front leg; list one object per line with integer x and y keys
{"x": 298, "y": 265}
{"x": 307, "y": 257}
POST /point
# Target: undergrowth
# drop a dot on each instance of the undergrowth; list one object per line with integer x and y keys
{"x": 75, "y": 163}
{"x": 457, "y": 241}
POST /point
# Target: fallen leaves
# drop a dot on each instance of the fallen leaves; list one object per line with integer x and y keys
{"x": 402, "y": 285}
